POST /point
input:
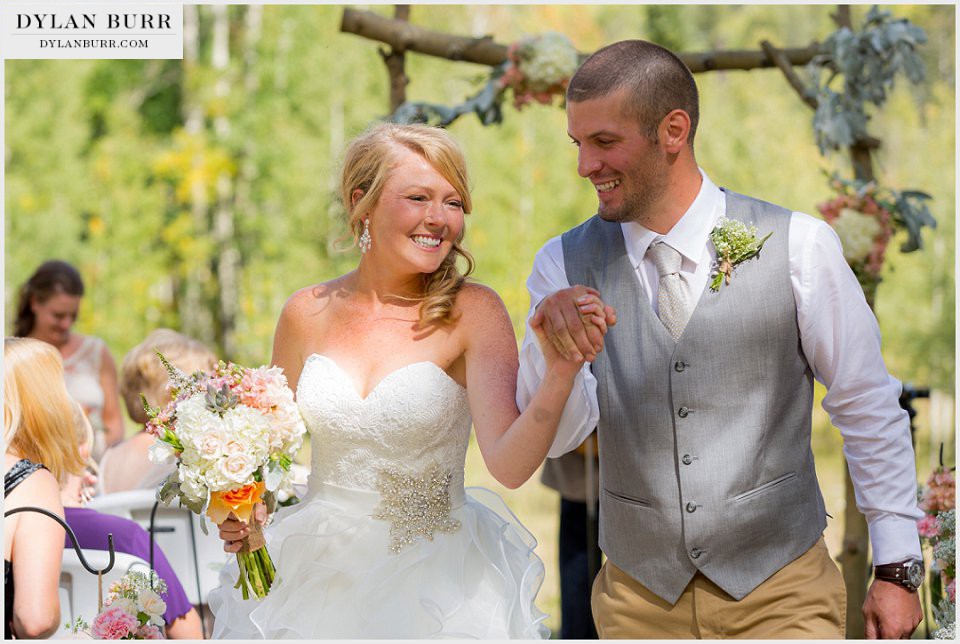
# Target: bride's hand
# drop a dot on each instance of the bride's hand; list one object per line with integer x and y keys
{"x": 575, "y": 321}
{"x": 593, "y": 314}
{"x": 233, "y": 530}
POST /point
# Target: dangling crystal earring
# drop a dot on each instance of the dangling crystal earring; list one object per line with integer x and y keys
{"x": 364, "y": 241}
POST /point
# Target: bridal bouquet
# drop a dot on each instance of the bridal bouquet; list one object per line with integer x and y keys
{"x": 133, "y": 610}
{"x": 233, "y": 433}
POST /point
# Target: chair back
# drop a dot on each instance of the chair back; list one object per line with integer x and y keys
{"x": 196, "y": 558}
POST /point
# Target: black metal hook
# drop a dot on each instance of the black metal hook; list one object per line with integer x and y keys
{"x": 73, "y": 538}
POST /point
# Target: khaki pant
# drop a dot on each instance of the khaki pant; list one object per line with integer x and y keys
{"x": 806, "y": 599}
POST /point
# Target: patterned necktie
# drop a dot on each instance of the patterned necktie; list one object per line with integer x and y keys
{"x": 673, "y": 300}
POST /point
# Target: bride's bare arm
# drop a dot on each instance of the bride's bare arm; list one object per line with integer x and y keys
{"x": 513, "y": 444}
{"x": 288, "y": 338}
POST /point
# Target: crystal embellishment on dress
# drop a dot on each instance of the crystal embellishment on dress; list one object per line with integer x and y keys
{"x": 416, "y": 506}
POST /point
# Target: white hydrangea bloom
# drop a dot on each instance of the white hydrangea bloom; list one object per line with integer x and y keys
{"x": 548, "y": 60}
{"x": 857, "y": 233}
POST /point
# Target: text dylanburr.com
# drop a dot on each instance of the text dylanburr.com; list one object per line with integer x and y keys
{"x": 83, "y": 30}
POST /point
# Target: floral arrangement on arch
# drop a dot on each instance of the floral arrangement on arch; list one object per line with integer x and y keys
{"x": 864, "y": 223}
{"x": 133, "y": 610}
{"x": 539, "y": 67}
{"x": 938, "y": 500}
{"x": 865, "y": 217}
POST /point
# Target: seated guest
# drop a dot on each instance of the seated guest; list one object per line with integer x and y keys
{"x": 91, "y": 528}
{"x": 40, "y": 449}
{"x": 126, "y": 466}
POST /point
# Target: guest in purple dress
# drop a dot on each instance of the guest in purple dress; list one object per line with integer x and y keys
{"x": 91, "y": 528}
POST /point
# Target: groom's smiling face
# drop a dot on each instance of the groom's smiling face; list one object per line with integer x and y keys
{"x": 627, "y": 169}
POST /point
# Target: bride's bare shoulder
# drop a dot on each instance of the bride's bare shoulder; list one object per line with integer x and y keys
{"x": 480, "y": 304}
{"x": 312, "y": 301}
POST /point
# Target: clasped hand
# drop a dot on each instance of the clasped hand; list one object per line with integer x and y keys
{"x": 233, "y": 531}
{"x": 572, "y": 323}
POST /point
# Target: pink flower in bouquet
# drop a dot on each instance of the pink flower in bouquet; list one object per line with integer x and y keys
{"x": 113, "y": 623}
{"x": 260, "y": 388}
{"x": 927, "y": 526}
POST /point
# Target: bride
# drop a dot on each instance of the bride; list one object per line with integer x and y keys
{"x": 391, "y": 363}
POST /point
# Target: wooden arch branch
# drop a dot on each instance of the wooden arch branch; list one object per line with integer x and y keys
{"x": 403, "y": 36}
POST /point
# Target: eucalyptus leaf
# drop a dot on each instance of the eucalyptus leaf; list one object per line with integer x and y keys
{"x": 170, "y": 489}
{"x": 195, "y": 506}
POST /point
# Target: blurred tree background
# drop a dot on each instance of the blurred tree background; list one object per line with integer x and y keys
{"x": 198, "y": 194}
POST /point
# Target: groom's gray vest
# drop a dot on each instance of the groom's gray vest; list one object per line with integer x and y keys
{"x": 705, "y": 458}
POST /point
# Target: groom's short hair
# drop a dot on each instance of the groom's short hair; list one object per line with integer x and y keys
{"x": 656, "y": 80}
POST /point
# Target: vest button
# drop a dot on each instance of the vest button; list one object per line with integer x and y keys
{"x": 695, "y": 553}
{"x": 683, "y": 412}
{"x": 679, "y": 366}
{"x": 691, "y": 507}
{"x": 687, "y": 459}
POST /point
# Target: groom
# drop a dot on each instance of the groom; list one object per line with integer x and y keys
{"x": 710, "y": 512}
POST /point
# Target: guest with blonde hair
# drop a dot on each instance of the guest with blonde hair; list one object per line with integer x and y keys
{"x": 126, "y": 466}
{"x": 41, "y": 451}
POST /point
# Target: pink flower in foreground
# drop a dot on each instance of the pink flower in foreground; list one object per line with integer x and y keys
{"x": 927, "y": 526}
{"x": 952, "y": 590}
{"x": 113, "y": 623}
{"x": 149, "y": 632}
{"x": 940, "y": 493}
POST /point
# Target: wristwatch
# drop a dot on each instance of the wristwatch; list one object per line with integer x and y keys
{"x": 908, "y": 574}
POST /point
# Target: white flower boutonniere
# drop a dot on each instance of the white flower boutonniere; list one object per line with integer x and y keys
{"x": 735, "y": 243}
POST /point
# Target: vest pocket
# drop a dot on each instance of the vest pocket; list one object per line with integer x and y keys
{"x": 627, "y": 499}
{"x": 766, "y": 486}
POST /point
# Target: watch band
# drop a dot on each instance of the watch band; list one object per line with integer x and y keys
{"x": 908, "y": 574}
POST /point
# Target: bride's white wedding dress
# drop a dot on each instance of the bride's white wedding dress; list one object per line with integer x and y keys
{"x": 387, "y": 543}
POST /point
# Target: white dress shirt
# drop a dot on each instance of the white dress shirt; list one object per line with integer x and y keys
{"x": 839, "y": 336}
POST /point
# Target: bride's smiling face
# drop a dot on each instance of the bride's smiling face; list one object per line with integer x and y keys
{"x": 418, "y": 216}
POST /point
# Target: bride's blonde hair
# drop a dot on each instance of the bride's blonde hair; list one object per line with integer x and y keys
{"x": 367, "y": 166}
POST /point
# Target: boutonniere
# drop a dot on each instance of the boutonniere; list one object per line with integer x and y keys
{"x": 735, "y": 243}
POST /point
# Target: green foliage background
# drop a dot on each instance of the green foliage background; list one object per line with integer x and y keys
{"x": 101, "y": 171}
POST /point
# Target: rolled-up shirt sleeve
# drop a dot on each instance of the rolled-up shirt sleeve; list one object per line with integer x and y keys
{"x": 840, "y": 337}
{"x": 581, "y": 413}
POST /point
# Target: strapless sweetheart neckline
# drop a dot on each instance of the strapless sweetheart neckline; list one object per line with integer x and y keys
{"x": 387, "y": 377}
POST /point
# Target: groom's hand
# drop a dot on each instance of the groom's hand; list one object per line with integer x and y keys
{"x": 574, "y": 320}
{"x": 891, "y": 612}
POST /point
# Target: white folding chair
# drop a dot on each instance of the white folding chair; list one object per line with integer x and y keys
{"x": 196, "y": 558}
{"x": 78, "y": 586}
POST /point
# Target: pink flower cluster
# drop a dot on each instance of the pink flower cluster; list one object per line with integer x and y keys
{"x": 525, "y": 89}
{"x": 260, "y": 388}
{"x": 114, "y": 623}
{"x": 927, "y": 526}
{"x": 868, "y": 205}
{"x": 940, "y": 493}
{"x": 263, "y": 388}
{"x": 522, "y": 94}
{"x": 149, "y": 632}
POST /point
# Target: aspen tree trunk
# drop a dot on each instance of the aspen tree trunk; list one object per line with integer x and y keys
{"x": 195, "y": 313}
{"x": 226, "y": 259}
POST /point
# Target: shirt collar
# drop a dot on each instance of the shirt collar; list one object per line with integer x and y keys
{"x": 688, "y": 236}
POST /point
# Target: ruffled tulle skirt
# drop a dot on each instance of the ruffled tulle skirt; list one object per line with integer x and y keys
{"x": 337, "y": 577}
